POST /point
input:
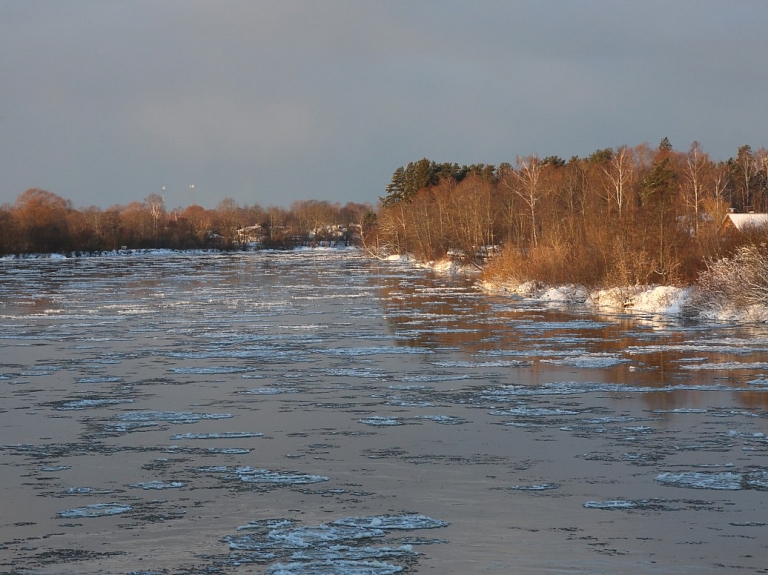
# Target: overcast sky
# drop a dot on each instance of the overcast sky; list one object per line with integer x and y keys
{"x": 104, "y": 102}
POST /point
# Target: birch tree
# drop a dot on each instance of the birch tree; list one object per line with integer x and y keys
{"x": 528, "y": 174}
{"x": 619, "y": 173}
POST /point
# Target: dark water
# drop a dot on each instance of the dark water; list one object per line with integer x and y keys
{"x": 317, "y": 412}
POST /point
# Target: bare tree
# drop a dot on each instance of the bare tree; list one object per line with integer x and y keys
{"x": 42, "y": 216}
{"x": 228, "y": 221}
{"x": 619, "y": 173}
{"x": 694, "y": 171}
{"x": 155, "y": 204}
{"x": 529, "y": 190}
{"x": 200, "y": 222}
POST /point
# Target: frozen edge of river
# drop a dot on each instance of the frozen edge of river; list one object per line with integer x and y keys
{"x": 654, "y": 300}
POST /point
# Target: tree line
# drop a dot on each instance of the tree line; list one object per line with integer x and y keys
{"x": 40, "y": 221}
{"x": 620, "y": 216}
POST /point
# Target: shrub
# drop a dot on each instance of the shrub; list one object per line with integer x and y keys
{"x": 737, "y": 283}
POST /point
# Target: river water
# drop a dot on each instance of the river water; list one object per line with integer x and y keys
{"x": 318, "y": 412}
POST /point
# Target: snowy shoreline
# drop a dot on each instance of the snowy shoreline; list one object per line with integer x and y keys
{"x": 657, "y": 300}
{"x": 649, "y": 300}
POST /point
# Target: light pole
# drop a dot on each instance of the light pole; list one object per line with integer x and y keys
{"x": 192, "y": 191}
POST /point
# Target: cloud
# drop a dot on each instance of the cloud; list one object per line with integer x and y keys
{"x": 271, "y": 101}
{"x": 202, "y": 125}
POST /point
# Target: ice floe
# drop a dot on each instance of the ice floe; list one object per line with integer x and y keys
{"x": 222, "y": 435}
{"x": 266, "y": 476}
{"x": 169, "y": 416}
{"x": 381, "y": 421}
{"x": 158, "y": 485}
{"x": 535, "y": 487}
{"x": 95, "y": 510}
{"x": 727, "y": 480}
{"x": 342, "y": 547}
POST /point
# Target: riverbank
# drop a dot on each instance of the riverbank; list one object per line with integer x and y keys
{"x": 692, "y": 302}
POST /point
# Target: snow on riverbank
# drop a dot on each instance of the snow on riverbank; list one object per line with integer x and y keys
{"x": 641, "y": 300}
{"x": 694, "y": 302}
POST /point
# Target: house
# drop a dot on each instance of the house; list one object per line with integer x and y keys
{"x": 743, "y": 223}
{"x": 250, "y": 234}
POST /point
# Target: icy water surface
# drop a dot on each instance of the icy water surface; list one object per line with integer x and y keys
{"x": 318, "y": 412}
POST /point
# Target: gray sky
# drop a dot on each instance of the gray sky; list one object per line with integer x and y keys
{"x": 105, "y": 102}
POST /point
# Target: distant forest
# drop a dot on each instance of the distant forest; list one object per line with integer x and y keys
{"x": 43, "y": 222}
{"x": 622, "y": 216}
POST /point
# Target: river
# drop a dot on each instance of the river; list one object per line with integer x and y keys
{"x": 318, "y": 412}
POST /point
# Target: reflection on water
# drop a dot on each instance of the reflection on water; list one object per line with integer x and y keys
{"x": 656, "y": 352}
{"x": 400, "y": 420}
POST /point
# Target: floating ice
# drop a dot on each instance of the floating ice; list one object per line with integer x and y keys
{"x": 594, "y": 361}
{"x": 443, "y": 419}
{"x": 80, "y": 404}
{"x": 268, "y": 391}
{"x": 129, "y": 426}
{"x": 222, "y": 369}
{"x": 703, "y": 480}
{"x": 169, "y": 416}
{"x": 630, "y": 504}
{"x": 534, "y": 352}
{"x": 737, "y": 347}
{"x": 104, "y": 379}
{"x": 223, "y": 435}
{"x": 304, "y": 537}
{"x": 532, "y": 411}
{"x": 579, "y": 387}
{"x": 612, "y": 504}
{"x": 726, "y": 366}
{"x": 393, "y": 522}
{"x": 279, "y": 478}
{"x": 378, "y": 350}
{"x": 748, "y": 524}
{"x": 354, "y": 372}
{"x": 55, "y": 468}
{"x": 331, "y": 567}
{"x": 95, "y": 510}
{"x": 251, "y": 475}
{"x": 266, "y": 524}
{"x": 429, "y": 378}
{"x": 79, "y": 490}
{"x": 539, "y": 487}
{"x": 380, "y": 421}
{"x": 158, "y": 485}
{"x": 341, "y": 547}
{"x": 757, "y": 479}
{"x": 609, "y": 419}
{"x": 401, "y": 402}
{"x": 345, "y": 552}
{"x": 475, "y": 364}
{"x": 229, "y": 450}
{"x": 575, "y": 325}
{"x": 88, "y": 491}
